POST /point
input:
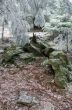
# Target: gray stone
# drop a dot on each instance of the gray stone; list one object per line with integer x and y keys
{"x": 27, "y": 99}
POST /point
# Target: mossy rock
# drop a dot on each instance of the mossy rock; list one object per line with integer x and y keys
{"x": 61, "y": 55}
{"x": 10, "y": 53}
{"x": 27, "y": 57}
{"x": 31, "y": 48}
{"x": 61, "y": 66}
{"x": 60, "y": 80}
{"x": 54, "y": 62}
{"x": 40, "y": 48}
{"x": 47, "y": 51}
{"x": 61, "y": 76}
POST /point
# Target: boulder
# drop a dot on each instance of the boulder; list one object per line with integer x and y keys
{"x": 26, "y": 99}
{"x": 38, "y": 47}
{"x": 27, "y": 57}
{"x": 31, "y": 48}
{"x": 61, "y": 78}
{"x": 59, "y": 55}
{"x": 10, "y": 53}
{"x": 62, "y": 68}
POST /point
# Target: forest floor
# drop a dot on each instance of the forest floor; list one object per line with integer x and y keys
{"x": 34, "y": 79}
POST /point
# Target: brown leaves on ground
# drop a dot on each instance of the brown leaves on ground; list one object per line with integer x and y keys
{"x": 34, "y": 79}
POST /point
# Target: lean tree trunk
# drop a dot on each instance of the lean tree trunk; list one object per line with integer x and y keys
{"x": 3, "y": 31}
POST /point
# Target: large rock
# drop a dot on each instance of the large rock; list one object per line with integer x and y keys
{"x": 62, "y": 68}
{"x": 10, "y": 53}
{"x": 27, "y": 99}
{"x": 31, "y": 101}
{"x": 27, "y": 57}
{"x": 61, "y": 78}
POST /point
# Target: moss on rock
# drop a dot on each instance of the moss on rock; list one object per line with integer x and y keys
{"x": 61, "y": 67}
{"x": 10, "y": 53}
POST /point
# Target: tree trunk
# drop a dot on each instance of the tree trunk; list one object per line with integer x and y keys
{"x": 3, "y": 31}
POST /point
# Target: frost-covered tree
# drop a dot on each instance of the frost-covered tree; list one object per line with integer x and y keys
{"x": 1, "y": 7}
{"x": 60, "y": 30}
{"x": 65, "y": 7}
{"x": 22, "y": 15}
{"x": 39, "y": 19}
{"x": 18, "y": 24}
